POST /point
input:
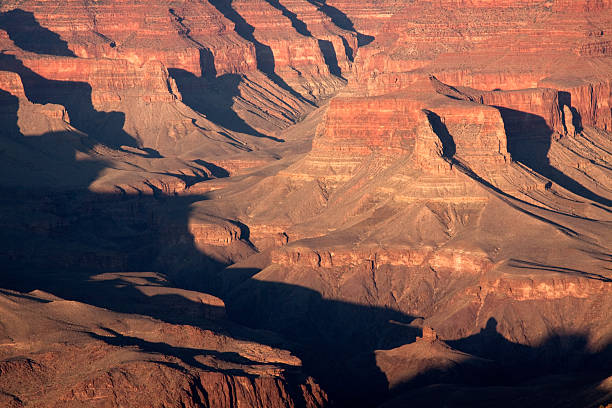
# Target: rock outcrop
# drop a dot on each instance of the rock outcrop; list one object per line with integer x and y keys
{"x": 410, "y": 193}
{"x": 156, "y": 73}
{"x": 436, "y": 161}
{"x": 85, "y": 355}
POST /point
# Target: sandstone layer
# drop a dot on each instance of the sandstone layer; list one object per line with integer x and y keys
{"x": 405, "y": 202}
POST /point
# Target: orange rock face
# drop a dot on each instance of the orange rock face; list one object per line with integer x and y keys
{"x": 305, "y": 203}
{"x": 156, "y": 56}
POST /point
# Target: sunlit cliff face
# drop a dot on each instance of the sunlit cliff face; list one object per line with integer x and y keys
{"x": 305, "y": 203}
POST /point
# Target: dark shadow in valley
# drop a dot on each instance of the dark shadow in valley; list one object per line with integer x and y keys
{"x": 9, "y": 106}
{"x": 25, "y": 31}
{"x": 335, "y": 339}
{"x": 90, "y": 235}
{"x": 263, "y": 52}
{"x": 337, "y": 342}
{"x": 529, "y": 140}
{"x": 340, "y": 19}
{"x": 105, "y": 127}
{"x": 214, "y": 98}
{"x": 560, "y": 368}
{"x": 93, "y": 248}
{"x": 556, "y": 354}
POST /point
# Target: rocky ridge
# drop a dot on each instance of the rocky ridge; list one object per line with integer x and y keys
{"x": 448, "y": 224}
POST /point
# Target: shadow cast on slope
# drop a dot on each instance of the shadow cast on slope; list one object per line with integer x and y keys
{"x": 263, "y": 52}
{"x": 340, "y": 19}
{"x": 185, "y": 354}
{"x": 74, "y": 96}
{"x": 210, "y": 171}
{"x": 65, "y": 242}
{"x": 448, "y": 144}
{"x": 565, "y": 99}
{"x": 556, "y": 372}
{"x": 25, "y": 31}
{"x": 330, "y": 58}
{"x": 36, "y": 161}
{"x": 529, "y": 141}
{"x": 518, "y": 263}
{"x": 191, "y": 357}
{"x": 325, "y": 46}
{"x": 296, "y": 23}
{"x": 105, "y": 127}
{"x": 214, "y": 98}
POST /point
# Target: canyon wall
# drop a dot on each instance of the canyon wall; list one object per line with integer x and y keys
{"x": 410, "y": 193}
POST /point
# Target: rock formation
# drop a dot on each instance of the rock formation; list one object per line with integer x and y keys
{"x": 85, "y": 355}
{"x": 305, "y": 203}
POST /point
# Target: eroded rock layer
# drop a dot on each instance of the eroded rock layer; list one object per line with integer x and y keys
{"x": 88, "y": 356}
{"x": 436, "y": 232}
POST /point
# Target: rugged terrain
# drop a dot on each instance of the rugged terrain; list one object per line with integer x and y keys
{"x": 306, "y": 203}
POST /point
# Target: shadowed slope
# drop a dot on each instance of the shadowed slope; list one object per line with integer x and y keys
{"x": 341, "y": 20}
{"x": 326, "y": 47}
{"x": 377, "y": 238}
{"x": 529, "y": 141}
{"x": 264, "y": 55}
{"x": 107, "y": 128}
{"x": 218, "y": 101}
{"x": 29, "y": 35}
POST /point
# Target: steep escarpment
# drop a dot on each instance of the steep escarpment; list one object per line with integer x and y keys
{"x": 436, "y": 219}
{"x": 446, "y": 194}
{"x": 435, "y": 232}
{"x": 199, "y": 79}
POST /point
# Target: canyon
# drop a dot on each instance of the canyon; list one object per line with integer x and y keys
{"x": 306, "y": 203}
